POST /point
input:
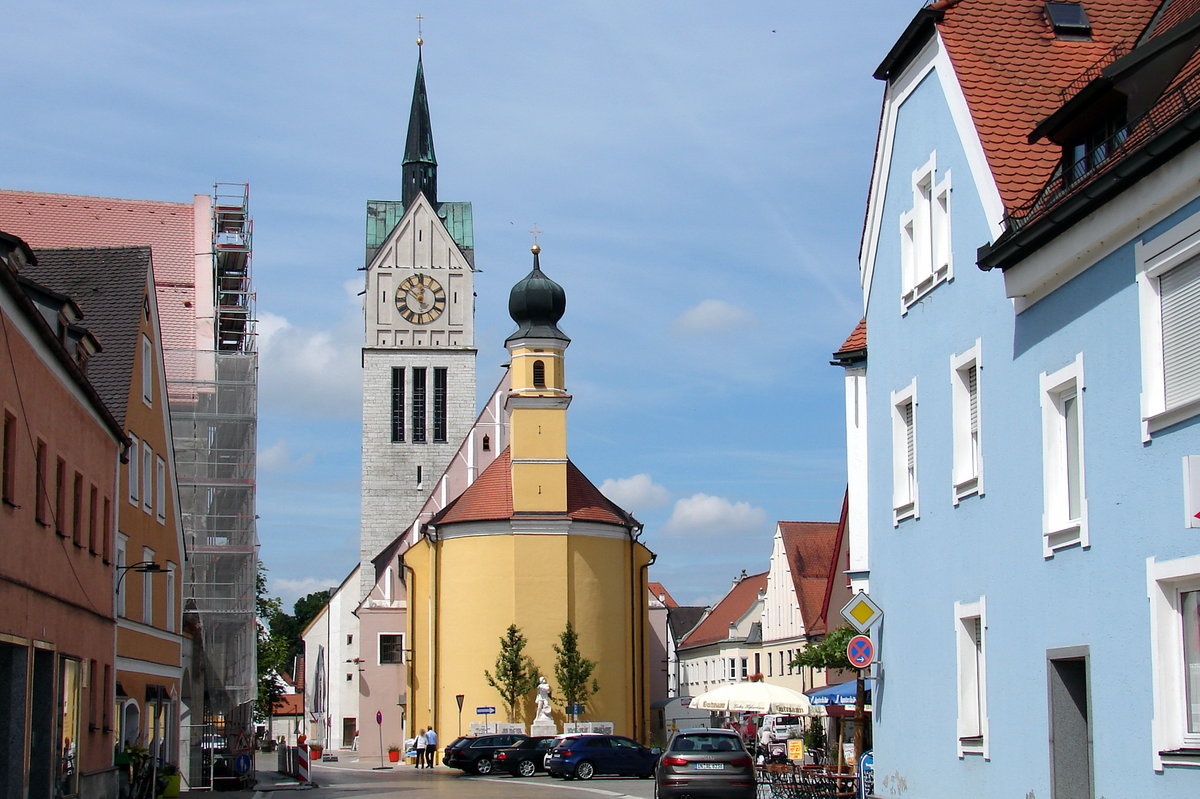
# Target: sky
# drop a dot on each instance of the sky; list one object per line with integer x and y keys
{"x": 698, "y": 171}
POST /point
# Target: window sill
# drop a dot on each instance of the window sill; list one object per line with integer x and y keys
{"x": 903, "y": 512}
{"x": 1183, "y": 756}
{"x": 927, "y": 285}
{"x": 966, "y": 488}
{"x": 1068, "y": 536}
{"x": 1168, "y": 418}
{"x": 971, "y": 745}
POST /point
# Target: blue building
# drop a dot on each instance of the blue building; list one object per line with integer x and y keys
{"x": 1022, "y": 420}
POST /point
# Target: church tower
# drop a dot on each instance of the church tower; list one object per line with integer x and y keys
{"x": 532, "y": 542}
{"x": 418, "y": 354}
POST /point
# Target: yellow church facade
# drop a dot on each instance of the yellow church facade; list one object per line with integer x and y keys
{"x": 532, "y": 542}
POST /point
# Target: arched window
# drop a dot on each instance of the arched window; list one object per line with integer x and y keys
{"x": 539, "y": 374}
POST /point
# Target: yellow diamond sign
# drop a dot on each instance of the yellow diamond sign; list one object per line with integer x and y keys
{"x": 861, "y": 612}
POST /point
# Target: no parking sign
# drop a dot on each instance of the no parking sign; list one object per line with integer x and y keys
{"x": 860, "y": 651}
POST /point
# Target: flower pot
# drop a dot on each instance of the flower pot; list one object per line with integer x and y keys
{"x": 172, "y": 789}
{"x": 394, "y": 756}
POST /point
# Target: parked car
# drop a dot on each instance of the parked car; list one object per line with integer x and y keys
{"x": 588, "y": 755}
{"x": 477, "y": 753}
{"x": 703, "y": 762}
{"x": 526, "y": 757}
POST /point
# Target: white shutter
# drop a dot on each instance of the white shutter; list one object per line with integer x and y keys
{"x": 1180, "y": 290}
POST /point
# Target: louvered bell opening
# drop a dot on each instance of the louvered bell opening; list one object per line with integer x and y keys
{"x": 1069, "y": 21}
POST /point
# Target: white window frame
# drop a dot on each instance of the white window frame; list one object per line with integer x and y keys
{"x": 118, "y": 572}
{"x": 132, "y": 475}
{"x": 967, "y": 427}
{"x": 1191, "y": 490}
{"x": 905, "y": 488}
{"x": 971, "y": 661}
{"x": 160, "y": 488}
{"x": 147, "y": 478}
{"x": 148, "y": 588}
{"x": 1165, "y": 583}
{"x": 926, "y": 254}
{"x": 169, "y": 625}
{"x": 1177, "y": 247}
{"x": 1059, "y": 530}
{"x": 147, "y": 371}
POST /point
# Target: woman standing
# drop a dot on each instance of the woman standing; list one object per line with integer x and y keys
{"x": 420, "y": 744}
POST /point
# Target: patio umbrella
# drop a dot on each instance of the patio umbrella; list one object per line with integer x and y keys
{"x": 753, "y": 697}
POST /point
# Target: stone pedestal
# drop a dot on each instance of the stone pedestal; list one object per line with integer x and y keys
{"x": 540, "y": 727}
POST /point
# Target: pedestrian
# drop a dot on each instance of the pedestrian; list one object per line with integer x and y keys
{"x": 420, "y": 745}
{"x": 431, "y": 743}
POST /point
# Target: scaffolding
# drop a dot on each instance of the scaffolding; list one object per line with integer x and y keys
{"x": 214, "y": 418}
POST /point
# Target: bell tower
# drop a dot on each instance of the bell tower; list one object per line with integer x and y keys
{"x": 418, "y": 352}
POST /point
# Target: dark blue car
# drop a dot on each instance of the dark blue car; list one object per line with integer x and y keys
{"x": 590, "y": 755}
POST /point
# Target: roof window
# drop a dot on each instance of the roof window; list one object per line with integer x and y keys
{"x": 1069, "y": 20}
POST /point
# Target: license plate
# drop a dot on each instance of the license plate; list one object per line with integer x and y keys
{"x": 710, "y": 766}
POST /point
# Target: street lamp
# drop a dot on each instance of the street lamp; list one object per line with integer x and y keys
{"x": 143, "y": 567}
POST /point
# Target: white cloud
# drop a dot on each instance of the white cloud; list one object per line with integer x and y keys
{"x": 310, "y": 372}
{"x": 708, "y": 516}
{"x": 278, "y": 458}
{"x": 289, "y": 591}
{"x": 713, "y": 316}
{"x": 635, "y": 494}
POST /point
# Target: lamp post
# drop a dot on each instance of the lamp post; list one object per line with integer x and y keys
{"x": 142, "y": 567}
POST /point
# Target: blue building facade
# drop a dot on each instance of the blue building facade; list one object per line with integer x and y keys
{"x": 1032, "y": 422}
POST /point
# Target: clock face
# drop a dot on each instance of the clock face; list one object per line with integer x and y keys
{"x": 420, "y": 299}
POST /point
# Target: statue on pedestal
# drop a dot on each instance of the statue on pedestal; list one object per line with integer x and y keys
{"x": 543, "y": 701}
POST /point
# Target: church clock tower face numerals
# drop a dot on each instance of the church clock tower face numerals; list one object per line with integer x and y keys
{"x": 420, "y": 299}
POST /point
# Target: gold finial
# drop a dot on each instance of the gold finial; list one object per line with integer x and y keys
{"x": 535, "y": 249}
{"x": 420, "y": 37}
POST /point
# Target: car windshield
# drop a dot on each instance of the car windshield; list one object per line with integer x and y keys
{"x": 705, "y": 742}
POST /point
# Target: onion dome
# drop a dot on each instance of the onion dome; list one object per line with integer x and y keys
{"x": 536, "y": 303}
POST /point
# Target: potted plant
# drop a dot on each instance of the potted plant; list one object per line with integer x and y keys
{"x": 169, "y": 781}
{"x": 394, "y": 753}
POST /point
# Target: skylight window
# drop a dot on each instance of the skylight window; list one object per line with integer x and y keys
{"x": 1069, "y": 20}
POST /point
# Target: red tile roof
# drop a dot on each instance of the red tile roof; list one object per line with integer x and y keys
{"x": 812, "y": 550}
{"x": 489, "y": 498}
{"x": 1013, "y": 72}
{"x": 72, "y": 220}
{"x": 856, "y": 342}
{"x": 715, "y": 626}
{"x": 289, "y": 705}
{"x": 658, "y": 590}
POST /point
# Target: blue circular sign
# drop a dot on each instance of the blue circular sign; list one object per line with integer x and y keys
{"x": 241, "y": 763}
{"x": 860, "y": 651}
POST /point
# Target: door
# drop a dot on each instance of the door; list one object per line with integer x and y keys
{"x": 349, "y": 726}
{"x": 1070, "y": 726}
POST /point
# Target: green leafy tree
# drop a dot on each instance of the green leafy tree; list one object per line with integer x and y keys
{"x": 829, "y": 653}
{"x": 572, "y": 671}
{"x": 272, "y": 649}
{"x": 516, "y": 675}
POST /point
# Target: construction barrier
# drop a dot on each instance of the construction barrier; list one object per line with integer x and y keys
{"x": 302, "y": 762}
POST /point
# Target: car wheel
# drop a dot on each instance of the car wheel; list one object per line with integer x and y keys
{"x": 526, "y": 768}
{"x": 585, "y": 770}
{"x": 483, "y": 766}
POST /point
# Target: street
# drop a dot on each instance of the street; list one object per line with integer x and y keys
{"x": 337, "y": 779}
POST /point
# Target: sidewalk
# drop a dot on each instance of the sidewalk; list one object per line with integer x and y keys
{"x": 268, "y": 780}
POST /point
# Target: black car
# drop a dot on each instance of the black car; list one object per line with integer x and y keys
{"x": 525, "y": 758}
{"x": 589, "y": 755}
{"x": 477, "y": 753}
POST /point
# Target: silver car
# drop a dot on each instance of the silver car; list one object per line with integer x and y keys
{"x": 702, "y": 762}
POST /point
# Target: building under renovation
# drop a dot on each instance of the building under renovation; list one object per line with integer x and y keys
{"x": 201, "y": 252}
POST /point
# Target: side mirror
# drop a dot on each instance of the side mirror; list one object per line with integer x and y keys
{"x": 656, "y": 750}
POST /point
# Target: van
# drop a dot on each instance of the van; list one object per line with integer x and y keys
{"x": 774, "y": 727}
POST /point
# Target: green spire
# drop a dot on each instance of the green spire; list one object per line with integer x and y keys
{"x": 420, "y": 164}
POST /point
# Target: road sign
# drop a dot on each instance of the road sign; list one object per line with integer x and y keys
{"x": 241, "y": 764}
{"x": 459, "y": 698}
{"x": 378, "y": 716}
{"x": 861, "y": 612}
{"x": 860, "y": 651}
{"x": 575, "y": 709}
{"x": 484, "y": 711}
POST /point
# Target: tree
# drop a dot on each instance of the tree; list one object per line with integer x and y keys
{"x": 829, "y": 653}
{"x": 272, "y": 648}
{"x": 572, "y": 671}
{"x": 516, "y": 675}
